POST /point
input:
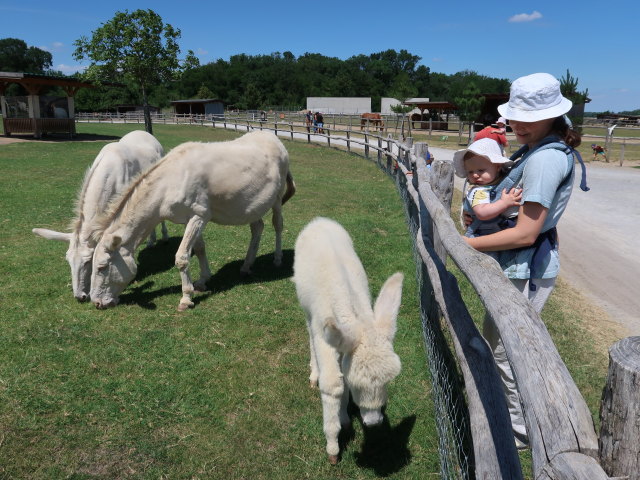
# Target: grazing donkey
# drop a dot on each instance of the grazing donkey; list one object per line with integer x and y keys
{"x": 351, "y": 343}
{"x": 112, "y": 170}
{"x": 229, "y": 183}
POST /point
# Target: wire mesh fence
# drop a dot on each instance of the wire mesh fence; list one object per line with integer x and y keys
{"x": 451, "y": 412}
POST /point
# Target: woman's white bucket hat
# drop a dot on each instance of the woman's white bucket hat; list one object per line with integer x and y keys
{"x": 535, "y": 97}
{"x": 485, "y": 147}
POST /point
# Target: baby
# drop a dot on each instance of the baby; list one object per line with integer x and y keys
{"x": 483, "y": 165}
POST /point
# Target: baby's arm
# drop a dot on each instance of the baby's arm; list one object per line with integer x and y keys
{"x": 488, "y": 211}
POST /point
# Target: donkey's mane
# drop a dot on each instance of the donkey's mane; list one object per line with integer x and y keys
{"x": 118, "y": 204}
{"x": 78, "y": 217}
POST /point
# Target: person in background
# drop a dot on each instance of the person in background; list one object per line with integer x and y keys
{"x": 528, "y": 252}
{"x": 319, "y": 121}
{"x": 598, "y": 150}
{"x": 497, "y": 133}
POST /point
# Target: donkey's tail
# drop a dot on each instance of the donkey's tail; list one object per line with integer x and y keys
{"x": 291, "y": 188}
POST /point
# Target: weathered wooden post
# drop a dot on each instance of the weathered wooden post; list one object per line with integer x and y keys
{"x": 619, "y": 442}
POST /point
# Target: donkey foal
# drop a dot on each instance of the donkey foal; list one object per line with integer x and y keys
{"x": 351, "y": 343}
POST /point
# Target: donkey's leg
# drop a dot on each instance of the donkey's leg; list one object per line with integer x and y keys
{"x": 256, "y": 232}
{"x": 276, "y": 220}
{"x": 151, "y": 241}
{"x": 331, "y": 392}
{"x": 165, "y": 232}
{"x": 205, "y": 273}
{"x": 191, "y": 234}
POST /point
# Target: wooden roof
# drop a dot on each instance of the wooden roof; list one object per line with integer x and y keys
{"x": 443, "y": 106}
{"x": 34, "y": 82}
{"x": 197, "y": 100}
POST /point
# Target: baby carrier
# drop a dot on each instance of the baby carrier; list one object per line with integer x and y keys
{"x": 547, "y": 240}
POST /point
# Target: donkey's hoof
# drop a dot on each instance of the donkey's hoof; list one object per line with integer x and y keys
{"x": 185, "y": 306}
{"x": 333, "y": 459}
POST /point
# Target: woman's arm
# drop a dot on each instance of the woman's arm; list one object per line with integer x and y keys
{"x": 531, "y": 218}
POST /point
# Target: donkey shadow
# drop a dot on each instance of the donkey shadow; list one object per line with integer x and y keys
{"x": 384, "y": 448}
{"x": 161, "y": 258}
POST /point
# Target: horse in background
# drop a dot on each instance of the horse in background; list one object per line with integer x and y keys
{"x": 369, "y": 119}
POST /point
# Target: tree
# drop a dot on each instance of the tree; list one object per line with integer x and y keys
{"x": 205, "y": 93}
{"x": 569, "y": 88}
{"x": 16, "y": 56}
{"x": 469, "y": 105}
{"x": 134, "y": 46}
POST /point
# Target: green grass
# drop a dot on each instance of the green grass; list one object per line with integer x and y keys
{"x": 220, "y": 391}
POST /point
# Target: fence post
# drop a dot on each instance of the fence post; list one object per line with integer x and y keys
{"x": 379, "y": 150}
{"x": 348, "y": 141}
{"x": 620, "y": 411}
{"x": 291, "y": 125}
{"x": 366, "y": 145}
{"x": 624, "y": 141}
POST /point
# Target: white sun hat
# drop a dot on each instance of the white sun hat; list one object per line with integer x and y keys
{"x": 485, "y": 147}
{"x": 501, "y": 120}
{"x": 535, "y": 97}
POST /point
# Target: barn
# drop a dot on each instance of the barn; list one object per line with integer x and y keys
{"x": 199, "y": 106}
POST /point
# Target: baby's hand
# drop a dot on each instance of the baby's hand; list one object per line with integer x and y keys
{"x": 512, "y": 197}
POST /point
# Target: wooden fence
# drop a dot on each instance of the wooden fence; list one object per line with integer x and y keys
{"x": 563, "y": 440}
{"x": 562, "y": 436}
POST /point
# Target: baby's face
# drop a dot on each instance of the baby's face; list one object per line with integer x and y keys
{"x": 480, "y": 171}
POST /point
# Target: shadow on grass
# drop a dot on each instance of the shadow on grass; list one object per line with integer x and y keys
{"x": 384, "y": 448}
{"x": 161, "y": 258}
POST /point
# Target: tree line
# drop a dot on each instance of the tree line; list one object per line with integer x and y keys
{"x": 274, "y": 81}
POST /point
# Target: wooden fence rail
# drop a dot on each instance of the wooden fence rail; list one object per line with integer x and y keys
{"x": 562, "y": 436}
{"x": 563, "y": 440}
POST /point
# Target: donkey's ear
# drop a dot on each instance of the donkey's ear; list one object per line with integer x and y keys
{"x": 343, "y": 336}
{"x": 387, "y": 305}
{"x": 52, "y": 234}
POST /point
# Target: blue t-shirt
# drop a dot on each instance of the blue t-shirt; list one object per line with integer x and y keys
{"x": 543, "y": 175}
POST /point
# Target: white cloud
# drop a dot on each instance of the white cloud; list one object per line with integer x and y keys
{"x": 202, "y": 51}
{"x": 526, "y": 17}
{"x": 57, "y": 45}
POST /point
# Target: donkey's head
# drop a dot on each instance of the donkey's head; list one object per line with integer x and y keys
{"x": 79, "y": 256}
{"x": 114, "y": 267}
{"x": 368, "y": 360}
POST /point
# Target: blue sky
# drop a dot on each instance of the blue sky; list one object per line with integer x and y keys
{"x": 597, "y": 41}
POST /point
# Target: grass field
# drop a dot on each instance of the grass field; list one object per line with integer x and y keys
{"x": 220, "y": 391}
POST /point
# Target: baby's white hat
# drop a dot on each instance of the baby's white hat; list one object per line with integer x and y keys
{"x": 485, "y": 147}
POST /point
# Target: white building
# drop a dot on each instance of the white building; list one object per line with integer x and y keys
{"x": 348, "y": 105}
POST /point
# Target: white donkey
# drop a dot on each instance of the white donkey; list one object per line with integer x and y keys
{"x": 351, "y": 343}
{"x": 112, "y": 170}
{"x": 230, "y": 183}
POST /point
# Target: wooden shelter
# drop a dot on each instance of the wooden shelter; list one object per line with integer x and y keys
{"x": 34, "y": 117}
{"x": 199, "y": 106}
{"x": 443, "y": 109}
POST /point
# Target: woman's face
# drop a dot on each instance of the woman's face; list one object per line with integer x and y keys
{"x": 531, "y": 133}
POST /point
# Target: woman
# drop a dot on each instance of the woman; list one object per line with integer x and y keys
{"x": 528, "y": 252}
